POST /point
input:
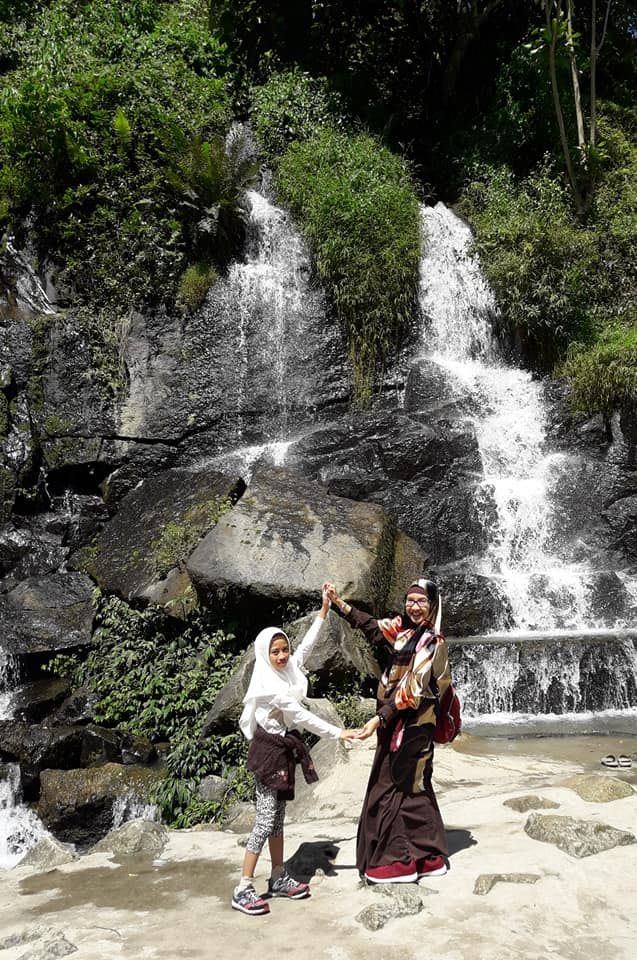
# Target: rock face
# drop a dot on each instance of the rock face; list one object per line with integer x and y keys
{"x": 136, "y": 838}
{"x": 156, "y": 527}
{"x": 47, "y": 613}
{"x": 578, "y": 838}
{"x": 270, "y": 554}
{"x": 77, "y": 805}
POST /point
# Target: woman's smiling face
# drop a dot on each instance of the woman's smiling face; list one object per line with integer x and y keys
{"x": 279, "y": 652}
{"x": 418, "y": 607}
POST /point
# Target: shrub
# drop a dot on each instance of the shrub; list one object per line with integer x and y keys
{"x": 158, "y": 677}
{"x": 194, "y": 284}
{"x": 94, "y": 110}
{"x": 604, "y": 377}
{"x": 292, "y": 106}
{"x": 356, "y": 205}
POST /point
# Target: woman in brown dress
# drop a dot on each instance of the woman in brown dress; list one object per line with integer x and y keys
{"x": 401, "y": 836}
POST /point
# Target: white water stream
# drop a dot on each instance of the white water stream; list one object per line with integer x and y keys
{"x": 545, "y": 589}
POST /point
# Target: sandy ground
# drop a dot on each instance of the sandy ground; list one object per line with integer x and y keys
{"x": 179, "y": 906}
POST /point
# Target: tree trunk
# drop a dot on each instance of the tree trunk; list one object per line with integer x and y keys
{"x": 552, "y": 28}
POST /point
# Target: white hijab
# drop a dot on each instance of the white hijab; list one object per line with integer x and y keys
{"x": 267, "y": 682}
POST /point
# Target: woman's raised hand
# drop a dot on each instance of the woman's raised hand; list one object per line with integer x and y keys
{"x": 325, "y": 605}
{"x": 329, "y": 590}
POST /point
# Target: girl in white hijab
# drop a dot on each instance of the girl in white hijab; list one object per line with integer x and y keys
{"x": 271, "y": 709}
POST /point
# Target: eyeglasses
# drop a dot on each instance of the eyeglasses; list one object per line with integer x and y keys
{"x": 422, "y": 604}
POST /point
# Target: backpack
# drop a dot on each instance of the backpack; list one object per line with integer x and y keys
{"x": 449, "y": 722}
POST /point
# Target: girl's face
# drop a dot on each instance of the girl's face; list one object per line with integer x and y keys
{"x": 279, "y": 652}
{"x": 418, "y": 607}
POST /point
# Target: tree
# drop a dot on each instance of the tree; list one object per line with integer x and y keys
{"x": 559, "y": 32}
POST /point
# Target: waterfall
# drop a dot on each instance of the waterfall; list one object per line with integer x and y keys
{"x": 8, "y": 671}
{"x": 285, "y": 354}
{"x": 20, "y": 829}
{"x": 545, "y": 587}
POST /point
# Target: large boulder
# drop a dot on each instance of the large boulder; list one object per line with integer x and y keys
{"x": 45, "y": 614}
{"x": 34, "y": 701}
{"x": 140, "y": 553}
{"x": 77, "y": 806}
{"x": 578, "y": 838}
{"x": 267, "y": 558}
{"x": 136, "y": 838}
{"x": 472, "y": 602}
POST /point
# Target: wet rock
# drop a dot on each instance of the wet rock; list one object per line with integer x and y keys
{"x": 621, "y": 517}
{"x": 137, "y": 749}
{"x": 472, "y": 603}
{"x": 37, "y": 746}
{"x": 410, "y": 563}
{"x": 77, "y": 805}
{"x": 213, "y": 788}
{"x": 100, "y": 745}
{"x": 137, "y": 838}
{"x": 487, "y": 881}
{"x": 35, "y": 701}
{"x": 157, "y": 525}
{"x": 530, "y": 802}
{"x": 286, "y": 535}
{"x": 47, "y": 854}
{"x": 398, "y": 901}
{"x": 30, "y": 548}
{"x": 78, "y": 708}
{"x": 578, "y": 838}
{"x": 599, "y": 789}
{"x": 226, "y": 706}
{"x": 47, "y": 614}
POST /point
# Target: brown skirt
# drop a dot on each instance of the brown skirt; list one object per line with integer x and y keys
{"x": 395, "y": 825}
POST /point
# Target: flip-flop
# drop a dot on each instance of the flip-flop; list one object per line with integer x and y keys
{"x": 624, "y": 761}
{"x": 610, "y": 760}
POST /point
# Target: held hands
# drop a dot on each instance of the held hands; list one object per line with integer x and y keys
{"x": 325, "y": 605}
{"x": 363, "y": 732}
{"x": 329, "y": 591}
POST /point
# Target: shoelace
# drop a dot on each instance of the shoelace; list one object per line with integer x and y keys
{"x": 249, "y": 893}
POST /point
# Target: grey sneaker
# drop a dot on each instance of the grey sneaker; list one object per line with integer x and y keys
{"x": 249, "y": 901}
{"x": 287, "y": 886}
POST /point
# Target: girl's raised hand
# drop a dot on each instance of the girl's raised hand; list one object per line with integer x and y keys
{"x": 326, "y": 600}
{"x": 329, "y": 590}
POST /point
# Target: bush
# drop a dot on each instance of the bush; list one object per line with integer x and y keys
{"x": 604, "y": 377}
{"x": 356, "y": 205}
{"x": 158, "y": 677}
{"x": 292, "y": 106}
{"x": 95, "y": 109}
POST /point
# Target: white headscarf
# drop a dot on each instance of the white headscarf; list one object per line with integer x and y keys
{"x": 267, "y": 682}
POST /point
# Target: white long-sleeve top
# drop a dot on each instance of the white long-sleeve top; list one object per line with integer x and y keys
{"x": 282, "y": 713}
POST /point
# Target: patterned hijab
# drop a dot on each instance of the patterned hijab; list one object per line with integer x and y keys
{"x": 267, "y": 682}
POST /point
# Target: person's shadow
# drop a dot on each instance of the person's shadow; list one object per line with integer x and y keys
{"x": 317, "y": 855}
{"x": 320, "y": 855}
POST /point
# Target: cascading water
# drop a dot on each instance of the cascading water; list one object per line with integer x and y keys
{"x": 545, "y": 588}
{"x": 285, "y": 355}
{"x": 591, "y": 671}
{"x": 7, "y": 683}
{"x": 20, "y": 829}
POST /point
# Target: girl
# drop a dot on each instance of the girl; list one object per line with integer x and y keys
{"x": 401, "y": 836}
{"x": 271, "y": 716}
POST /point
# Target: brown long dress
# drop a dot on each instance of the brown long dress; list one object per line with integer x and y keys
{"x": 400, "y": 819}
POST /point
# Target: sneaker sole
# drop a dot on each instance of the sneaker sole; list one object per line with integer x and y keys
{"x": 440, "y": 872}
{"x": 291, "y": 896}
{"x": 259, "y": 912}
{"x": 408, "y": 878}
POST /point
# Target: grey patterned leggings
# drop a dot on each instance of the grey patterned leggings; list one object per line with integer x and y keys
{"x": 270, "y": 816}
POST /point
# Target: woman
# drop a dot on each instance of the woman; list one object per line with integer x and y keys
{"x": 401, "y": 836}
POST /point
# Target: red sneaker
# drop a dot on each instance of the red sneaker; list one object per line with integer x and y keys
{"x": 431, "y": 866}
{"x": 396, "y": 872}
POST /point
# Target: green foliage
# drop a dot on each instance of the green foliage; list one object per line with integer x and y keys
{"x": 194, "y": 284}
{"x": 158, "y": 677}
{"x": 291, "y": 106}
{"x": 539, "y": 259}
{"x": 604, "y": 377}
{"x": 560, "y": 281}
{"x": 178, "y": 540}
{"x": 351, "y": 709}
{"x": 94, "y": 109}
{"x": 356, "y": 205}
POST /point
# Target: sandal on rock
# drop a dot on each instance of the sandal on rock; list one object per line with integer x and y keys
{"x": 624, "y": 761}
{"x": 610, "y": 760}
